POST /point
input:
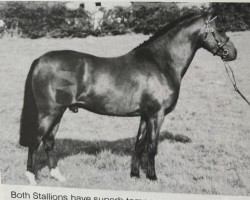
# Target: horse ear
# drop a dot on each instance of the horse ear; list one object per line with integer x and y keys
{"x": 211, "y": 18}
{"x": 210, "y": 14}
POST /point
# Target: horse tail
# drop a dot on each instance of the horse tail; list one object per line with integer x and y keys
{"x": 29, "y": 116}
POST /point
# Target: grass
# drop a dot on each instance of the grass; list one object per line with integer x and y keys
{"x": 95, "y": 151}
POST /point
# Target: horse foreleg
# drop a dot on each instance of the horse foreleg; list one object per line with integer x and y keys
{"x": 153, "y": 129}
{"x": 139, "y": 148}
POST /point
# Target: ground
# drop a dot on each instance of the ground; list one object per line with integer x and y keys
{"x": 94, "y": 151}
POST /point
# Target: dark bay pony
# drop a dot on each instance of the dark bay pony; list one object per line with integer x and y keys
{"x": 144, "y": 82}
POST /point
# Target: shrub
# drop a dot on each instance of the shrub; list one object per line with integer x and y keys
{"x": 233, "y": 16}
{"x": 53, "y": 19}
{"x": 149, "y": 17}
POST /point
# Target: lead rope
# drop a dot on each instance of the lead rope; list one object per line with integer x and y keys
{"x": 233, "y": 81}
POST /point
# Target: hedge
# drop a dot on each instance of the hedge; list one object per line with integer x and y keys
{"x": 37, "y": 20}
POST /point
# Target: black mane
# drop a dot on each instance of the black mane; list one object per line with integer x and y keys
{"x": 167, "y": 28}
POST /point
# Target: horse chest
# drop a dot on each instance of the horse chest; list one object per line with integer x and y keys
{"x": 160, "y": 94}
{"x": 171, "y": 98}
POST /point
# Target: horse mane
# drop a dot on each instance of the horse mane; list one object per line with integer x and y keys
{"x": 167, "y": 28}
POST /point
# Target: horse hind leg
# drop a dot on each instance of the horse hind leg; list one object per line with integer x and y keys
{"x": 43, "y": 127}
{"x": 49, "y": 143}
{"x": 31, "y": 171}
{"x": 45, "y": 122}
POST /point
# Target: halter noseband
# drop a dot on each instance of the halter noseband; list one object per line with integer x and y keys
{"x": 209, "y": 29}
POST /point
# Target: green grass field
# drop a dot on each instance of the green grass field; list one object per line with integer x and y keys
{"x": 95, "y": 151}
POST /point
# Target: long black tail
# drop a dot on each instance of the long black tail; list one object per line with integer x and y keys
{"x": 29, "y": 117}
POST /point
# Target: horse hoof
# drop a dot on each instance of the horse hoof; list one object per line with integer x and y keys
{"x": 134, "y": 174}
{"x": 55, "y": 173}
{"x": 31, "y": 178}
{"x": 152, "y": 177}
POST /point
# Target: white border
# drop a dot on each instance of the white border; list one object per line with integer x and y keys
{"x": 5, "y": 191}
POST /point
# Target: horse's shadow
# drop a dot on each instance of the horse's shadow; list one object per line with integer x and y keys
{"x": 69, "y": 147}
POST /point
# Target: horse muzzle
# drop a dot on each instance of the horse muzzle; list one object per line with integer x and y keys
{"x": 226, "y": 51}
{"x": 229, "y": 55}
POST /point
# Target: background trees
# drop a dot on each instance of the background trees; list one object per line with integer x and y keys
{"x": 54, "y": 19}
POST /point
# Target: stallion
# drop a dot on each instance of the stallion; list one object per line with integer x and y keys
{"x": 144, "y": 82}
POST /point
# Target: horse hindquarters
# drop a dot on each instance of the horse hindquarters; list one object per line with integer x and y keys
{"x": 38, "y": 124}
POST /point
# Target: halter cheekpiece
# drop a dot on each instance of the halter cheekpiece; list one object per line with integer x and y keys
{"x": 210, "y": 29}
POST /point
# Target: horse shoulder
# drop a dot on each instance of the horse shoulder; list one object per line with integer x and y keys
{"x": 162, "y": 89}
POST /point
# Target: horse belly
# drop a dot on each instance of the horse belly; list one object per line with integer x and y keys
{"x": 111, "y": 104}
{"x": 107, "y": 97}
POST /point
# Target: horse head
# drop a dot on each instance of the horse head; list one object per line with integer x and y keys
{"x": 216, "y": 41}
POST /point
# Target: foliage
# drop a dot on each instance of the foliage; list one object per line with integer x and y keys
{"x": 148, "y": 17}
{"x": 117, "y": 21}
{"x": 53, "y": 19}
{"x": 233, "y": 16}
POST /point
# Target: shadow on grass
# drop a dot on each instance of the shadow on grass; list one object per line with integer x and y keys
{"x": 70, "y": 147}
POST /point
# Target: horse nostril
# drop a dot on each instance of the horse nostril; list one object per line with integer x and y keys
{"x": 225, "y": 53}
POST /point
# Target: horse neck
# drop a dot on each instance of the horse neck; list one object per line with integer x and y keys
{"x": 178, "y": 49}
